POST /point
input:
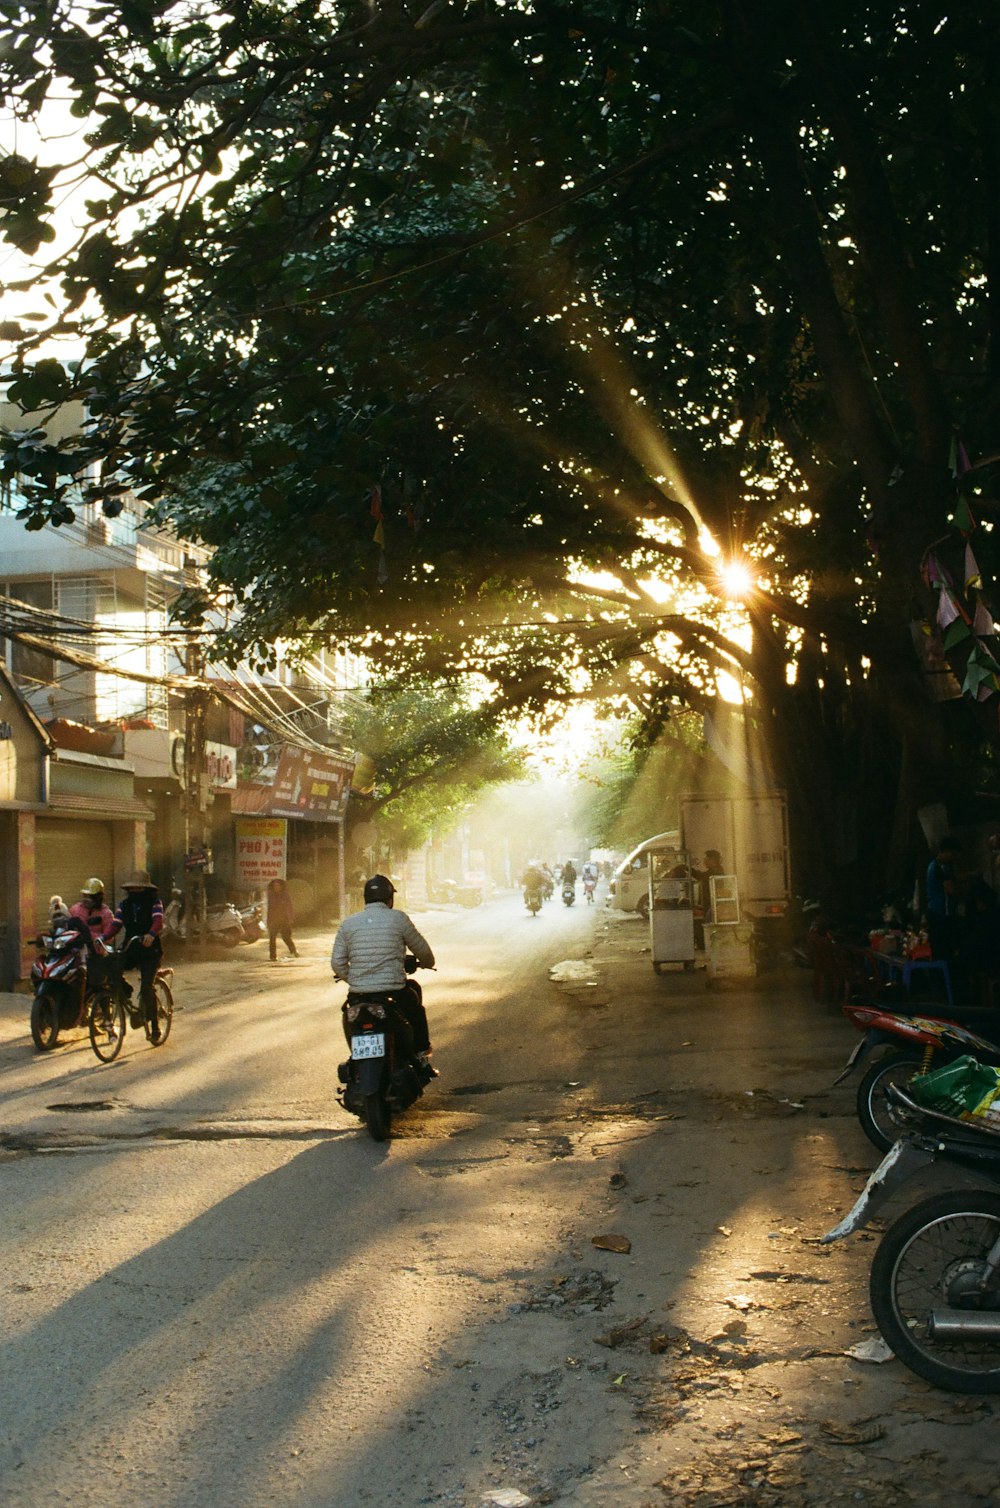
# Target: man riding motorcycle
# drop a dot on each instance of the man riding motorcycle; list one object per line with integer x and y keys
{"x": 369, "y": 951}
{"x": 533, "y": 883}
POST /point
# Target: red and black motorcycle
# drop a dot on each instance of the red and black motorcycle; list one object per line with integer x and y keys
{"x": 918, "y": 1044}
{"x": 382, "y": 1077}
{"x": 59, "y": 981}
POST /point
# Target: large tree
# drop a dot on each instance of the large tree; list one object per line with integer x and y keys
{"x": 486, "y": 332}
{"x": 427, "y": 757}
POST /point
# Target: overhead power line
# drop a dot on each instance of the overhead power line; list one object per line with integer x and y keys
{"x": 242, "y": 698}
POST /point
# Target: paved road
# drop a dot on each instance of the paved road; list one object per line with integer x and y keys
{"x": 215, "y": 1290}
{"x": 213, "y": 1281}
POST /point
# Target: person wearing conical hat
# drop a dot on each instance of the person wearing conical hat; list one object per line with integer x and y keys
{"x": 140, "y": 917}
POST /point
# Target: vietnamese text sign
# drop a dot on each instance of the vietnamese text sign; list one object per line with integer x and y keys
{"x": 260, "y": 851}
{"x": 310, "y": 785}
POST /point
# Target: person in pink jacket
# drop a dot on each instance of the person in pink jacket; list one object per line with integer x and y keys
{"x": 97, "y": 921}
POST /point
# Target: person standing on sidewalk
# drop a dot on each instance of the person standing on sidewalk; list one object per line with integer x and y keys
{"x": 941, "y": 887}
{"x": 280, "y": 916}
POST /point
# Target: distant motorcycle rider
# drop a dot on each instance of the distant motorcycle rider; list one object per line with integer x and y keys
{"x": 369, "y": 951}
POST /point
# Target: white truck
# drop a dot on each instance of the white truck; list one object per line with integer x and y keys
{"x": 750, "y": 834}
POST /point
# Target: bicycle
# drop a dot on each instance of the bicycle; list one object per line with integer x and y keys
{"x": 110, "y": 1007}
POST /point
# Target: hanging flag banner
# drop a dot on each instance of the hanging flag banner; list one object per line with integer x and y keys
{"x": 947, "y": 610}
{"x": 972, "y": 575}
{"x": 939, "y": 678}
{"x": 957, "y": 631}
{"x": 982, "y": 623}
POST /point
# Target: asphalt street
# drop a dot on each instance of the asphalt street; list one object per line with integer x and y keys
{"x": 216, "y": 1290}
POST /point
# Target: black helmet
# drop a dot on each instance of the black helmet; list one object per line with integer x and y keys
{"x": 379, "y": 888}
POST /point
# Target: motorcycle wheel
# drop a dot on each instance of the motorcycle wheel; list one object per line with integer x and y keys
{"x": 377, "y": 1117}
{"x": 164, "y": 1012}
{"x": 882, "y": 1122}
{"x": 107, "y": 1027}
{"x": 232, "y": 936}
{"x": 928, "y": 1261}
{"x": 45, "y": 1021}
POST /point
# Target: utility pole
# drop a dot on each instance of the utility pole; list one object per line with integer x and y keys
{"x": 196, "y": 847}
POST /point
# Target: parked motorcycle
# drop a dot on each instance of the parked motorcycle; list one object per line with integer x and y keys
{"x": 935, "y": 1279}
{"x": 224, "y": 922}
{"x": 59, "y": 982}
{"x": 252, "y": 922}
{"x": 378, "y": 1080}
{"x": 568, "y": 894}
{"x": 919, "y": 1043}
{"x": 59, "y": 976}
{"x": 450, "y": 892}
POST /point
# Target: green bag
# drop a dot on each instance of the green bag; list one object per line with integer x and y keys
{"x": 964, "y": 1087}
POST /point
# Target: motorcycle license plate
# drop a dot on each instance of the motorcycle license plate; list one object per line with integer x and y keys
{"x": 368, "y": 1045}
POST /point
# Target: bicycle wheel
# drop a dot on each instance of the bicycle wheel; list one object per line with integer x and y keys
{"x": 164, "y": 1012}
{"x": 926, "y": 1272}
{"x": 107, "y": 1027}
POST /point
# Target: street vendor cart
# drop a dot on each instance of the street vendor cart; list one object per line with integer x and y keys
{"x": 671, "y": 909}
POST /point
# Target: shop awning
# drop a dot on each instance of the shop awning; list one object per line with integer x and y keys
{"x": 111, "y": 807}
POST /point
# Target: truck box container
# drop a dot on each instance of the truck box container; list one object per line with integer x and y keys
{"x": 751, "y": 835}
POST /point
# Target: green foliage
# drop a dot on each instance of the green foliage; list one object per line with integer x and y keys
{"x": 571, "y": 286}
{"x": 431, "y": 752}
{"x": 636, "y": 791}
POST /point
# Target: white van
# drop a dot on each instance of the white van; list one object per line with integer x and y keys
{"x": 629, "y": 888}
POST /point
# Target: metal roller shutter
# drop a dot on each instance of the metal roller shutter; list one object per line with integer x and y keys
{"x": 67, "y": 853}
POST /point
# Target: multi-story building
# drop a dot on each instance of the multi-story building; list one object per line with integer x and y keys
{"x": 86, "y": 644}
{"x": 94, "y": 596}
